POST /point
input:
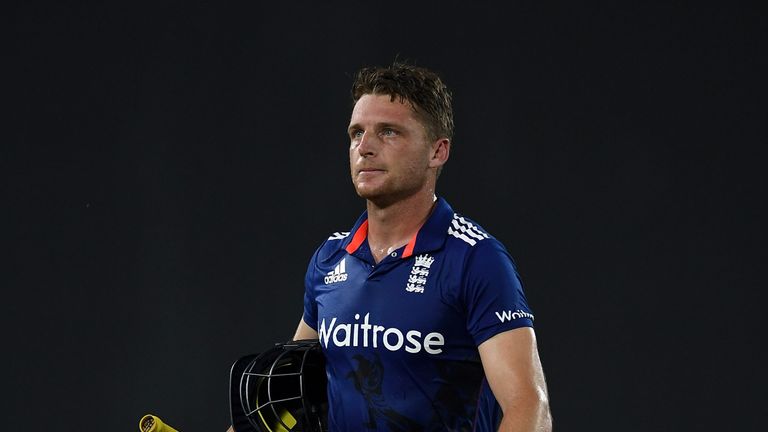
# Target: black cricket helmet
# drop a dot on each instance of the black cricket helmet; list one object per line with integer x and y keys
{"x": 280, "y": 390}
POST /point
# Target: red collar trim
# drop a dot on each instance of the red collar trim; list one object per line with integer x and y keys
{"x": 358, "y": 238}
{"x": 411, "y": 244}
{"x": 362, "y": 232}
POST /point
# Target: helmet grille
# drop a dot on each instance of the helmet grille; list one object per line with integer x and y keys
{"x": 284, "y": 389}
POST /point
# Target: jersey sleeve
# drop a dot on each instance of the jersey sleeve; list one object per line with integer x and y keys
{"x": 310, "y": 305}
{"x": 493, "y": 294}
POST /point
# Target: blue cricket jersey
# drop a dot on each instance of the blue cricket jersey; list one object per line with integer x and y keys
{"x": 400, "y": 337}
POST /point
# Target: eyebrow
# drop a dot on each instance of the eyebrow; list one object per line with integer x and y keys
{"x": 383, "y": 125}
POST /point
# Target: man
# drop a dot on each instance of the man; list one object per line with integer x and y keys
{"x": 419, "y": 312}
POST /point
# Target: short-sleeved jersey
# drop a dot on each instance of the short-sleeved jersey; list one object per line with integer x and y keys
{"x": 401, "y": 336}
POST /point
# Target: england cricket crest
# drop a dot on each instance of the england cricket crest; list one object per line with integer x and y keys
{"x": 418, "y": 277}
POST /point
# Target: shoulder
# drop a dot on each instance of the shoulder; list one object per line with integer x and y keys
{"x": 466, "y": 230}
{"x": 472, "y": 247}
{"x": 467, "y": 235}
{"x": 338, "y": 235}
{"x": 331, "y": 245}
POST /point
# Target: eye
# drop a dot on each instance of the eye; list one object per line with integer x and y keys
{"x": 388, "y": 132}
{"x": 355, "y": 134}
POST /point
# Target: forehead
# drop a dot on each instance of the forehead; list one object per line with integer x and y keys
{"x": 377, "y": 108}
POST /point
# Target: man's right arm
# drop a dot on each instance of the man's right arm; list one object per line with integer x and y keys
{"x": 304, "y": 331}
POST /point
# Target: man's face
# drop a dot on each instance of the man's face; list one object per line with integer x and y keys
{"x": 389, "y": 153}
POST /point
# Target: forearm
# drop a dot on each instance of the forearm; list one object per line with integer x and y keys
{"x": 531, "y": 416}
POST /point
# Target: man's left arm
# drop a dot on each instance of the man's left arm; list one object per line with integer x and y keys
{"x": 511, "y": 363}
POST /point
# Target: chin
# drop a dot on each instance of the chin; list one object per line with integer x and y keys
{"x": 379, "y": 197}
{"x": 367, "y": 193}
{"x": 365, "y": 189}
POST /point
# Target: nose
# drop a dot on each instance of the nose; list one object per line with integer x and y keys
{"x": 367, "y": 145}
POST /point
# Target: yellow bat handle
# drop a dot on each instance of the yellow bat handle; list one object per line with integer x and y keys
{"x": 150, "y": 423}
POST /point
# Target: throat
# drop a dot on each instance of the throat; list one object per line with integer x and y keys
{"x": 390, "y": 229}
{"x": 379, "y": 253}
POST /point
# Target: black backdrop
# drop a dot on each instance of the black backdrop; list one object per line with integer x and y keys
{"x": 169, "y": 168}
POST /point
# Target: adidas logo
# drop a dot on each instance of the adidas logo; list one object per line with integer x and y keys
{"x": 338, "y": 274}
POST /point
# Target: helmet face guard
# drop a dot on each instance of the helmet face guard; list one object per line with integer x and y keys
{"x": 280, "y": 390}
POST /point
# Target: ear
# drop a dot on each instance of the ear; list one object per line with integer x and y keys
{"x": 441, "y": 149}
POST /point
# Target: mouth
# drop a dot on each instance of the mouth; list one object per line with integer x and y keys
{"x": 369, "y": 171}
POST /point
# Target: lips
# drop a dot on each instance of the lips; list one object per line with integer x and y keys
{"x": 369, "y": 171}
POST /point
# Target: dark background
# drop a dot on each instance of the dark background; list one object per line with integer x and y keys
{"x": 168, "y": 169}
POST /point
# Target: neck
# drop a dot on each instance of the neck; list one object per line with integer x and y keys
{"x": 393, "y": 226}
